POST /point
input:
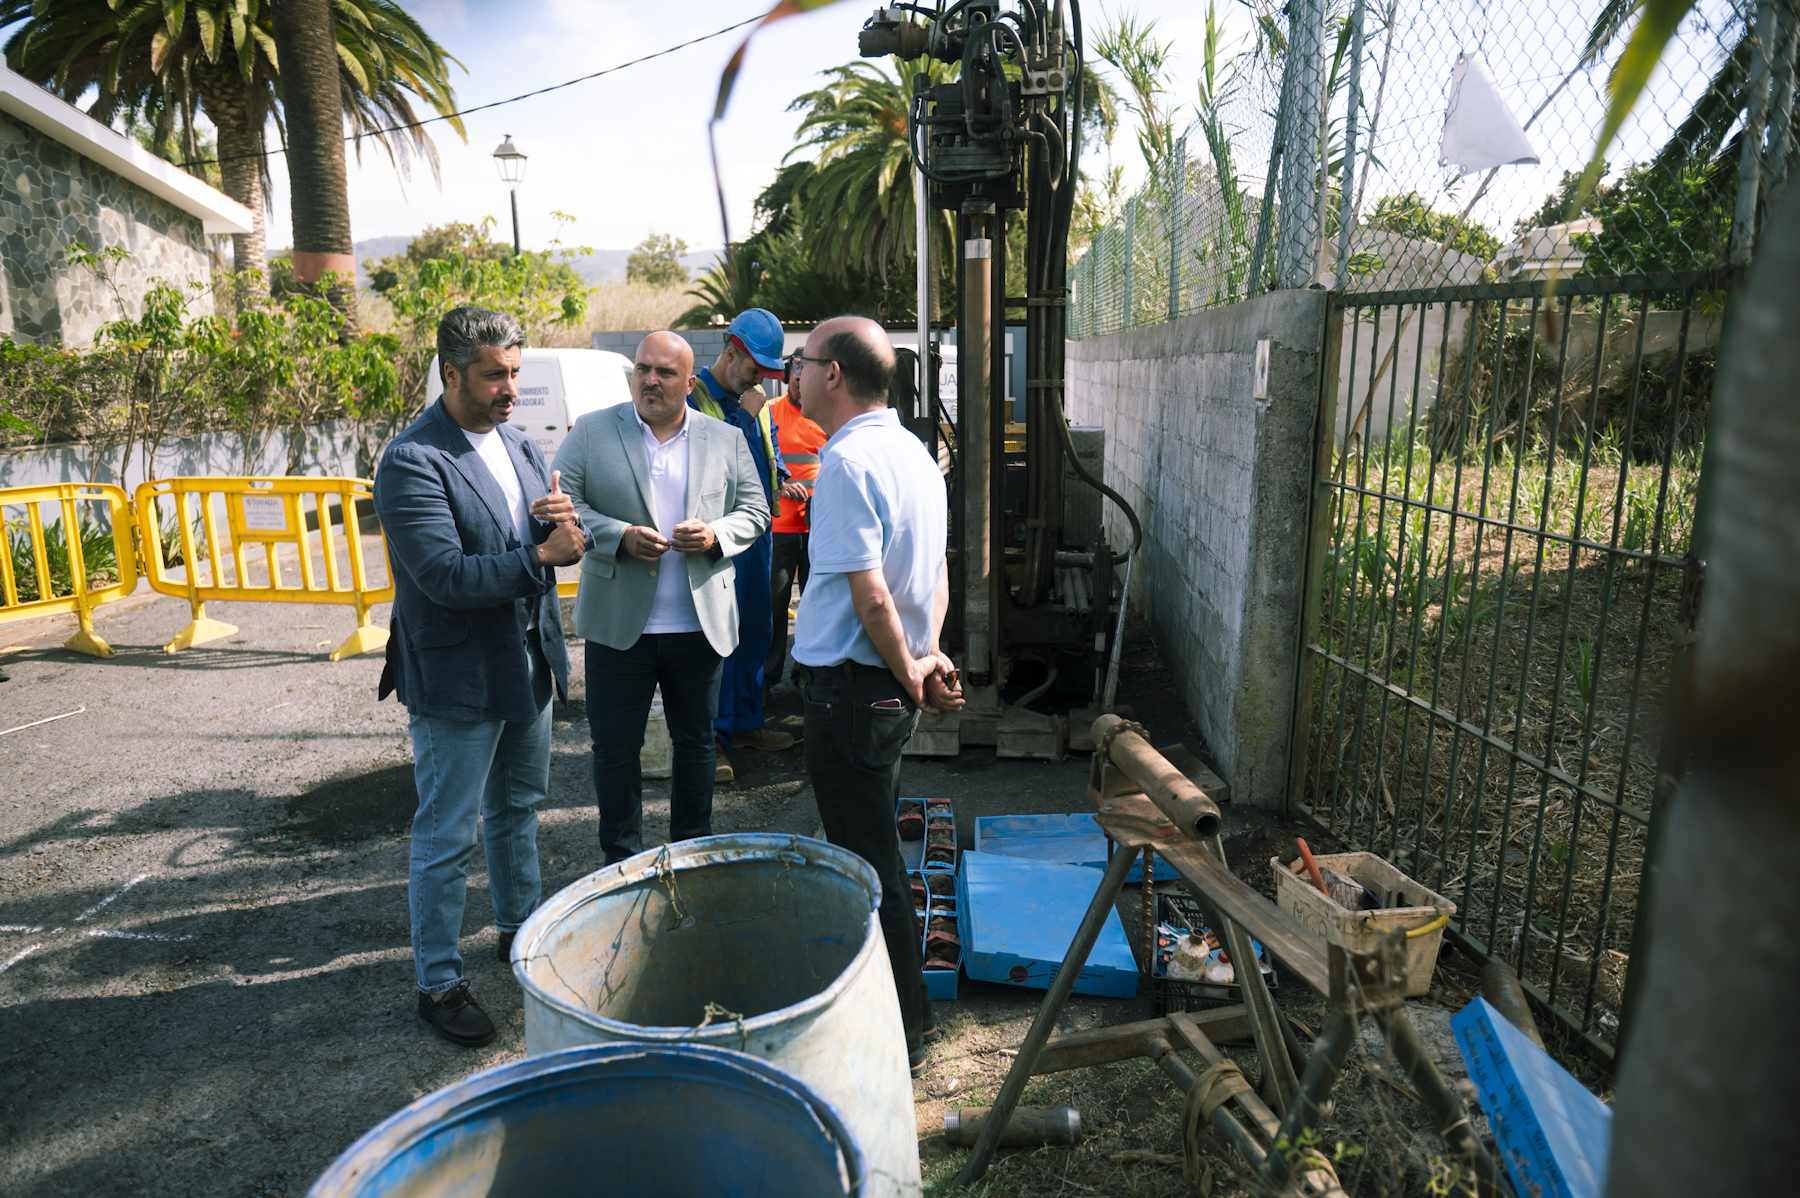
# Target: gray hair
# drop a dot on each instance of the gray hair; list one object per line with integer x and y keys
{"x": 462, "y": 332}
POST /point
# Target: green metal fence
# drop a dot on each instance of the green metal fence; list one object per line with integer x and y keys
{"x": 1353, "y": 130}
{"x": 1500, "y": 601}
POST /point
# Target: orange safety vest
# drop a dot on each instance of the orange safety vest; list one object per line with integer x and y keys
{"x": 801, "y": 441}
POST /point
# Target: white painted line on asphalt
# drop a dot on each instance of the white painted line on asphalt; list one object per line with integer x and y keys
{"x": 19, "y": 956}
{"x": 27, "y": 929}
{"x": 134, "y": 935}
{"x": 48, "y": 720}
{"x": 109, "y": 898}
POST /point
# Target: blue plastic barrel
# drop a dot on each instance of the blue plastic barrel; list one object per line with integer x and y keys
{"x": 618, "y": 1119}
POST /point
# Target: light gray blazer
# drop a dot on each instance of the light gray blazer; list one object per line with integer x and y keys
{"x": 605, "y": 473}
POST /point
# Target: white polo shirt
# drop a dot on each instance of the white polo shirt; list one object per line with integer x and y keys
{"x": 673, "y": 610}
{"x": 879, "y": 504}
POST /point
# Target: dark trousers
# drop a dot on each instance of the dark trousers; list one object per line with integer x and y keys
{"x": 790, "y": 565}
{"x": 740, "y": 692}
{"x": 620, "y": 686}
{"x": 853, "y": 762}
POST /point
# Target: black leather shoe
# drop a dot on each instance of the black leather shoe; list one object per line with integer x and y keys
{"x": 457, "y": 1018}
{"x": 504, "y": 951}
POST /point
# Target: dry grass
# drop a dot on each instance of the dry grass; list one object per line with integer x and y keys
{"x": 1383, "y": 1143}
{"x": 620, "y": 305}
{"x": 1554, "y": 671}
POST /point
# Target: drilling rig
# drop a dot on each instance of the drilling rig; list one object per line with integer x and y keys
{"x": 1032, "y": 577}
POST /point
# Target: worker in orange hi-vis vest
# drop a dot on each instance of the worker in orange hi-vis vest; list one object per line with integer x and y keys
{"x": 800, "y": 440}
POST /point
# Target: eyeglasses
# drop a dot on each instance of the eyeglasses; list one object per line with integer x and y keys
{"x": 797, "y": 362}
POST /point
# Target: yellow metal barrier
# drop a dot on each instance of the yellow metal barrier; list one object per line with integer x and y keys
{"x": 258, "y": 517}
{"x": 26, "y": 540}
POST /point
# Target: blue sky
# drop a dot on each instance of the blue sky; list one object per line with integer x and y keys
{"x": 625, "y": 154}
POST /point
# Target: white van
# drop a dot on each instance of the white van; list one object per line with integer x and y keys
{"x": 556, "y": 388}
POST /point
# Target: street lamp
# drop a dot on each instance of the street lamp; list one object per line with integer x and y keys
{"x": 512, "y": 170}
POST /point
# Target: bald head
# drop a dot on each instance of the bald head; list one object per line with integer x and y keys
{"x": 661, "y": 378}
{"x": 845, "y": 370}
{"x": 862, "y": 351}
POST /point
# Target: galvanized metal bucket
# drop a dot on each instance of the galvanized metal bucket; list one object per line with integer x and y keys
{"x": 766, "y": 944}
{"x": 649, "y": 1120}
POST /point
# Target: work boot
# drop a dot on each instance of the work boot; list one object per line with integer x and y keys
{"x": 4, "y": 676}
{"x": 766, "y": 739}
{"x": 456, "y": 1016}
{"x": 723, "y": 774}
{"x": 504, "y": 948}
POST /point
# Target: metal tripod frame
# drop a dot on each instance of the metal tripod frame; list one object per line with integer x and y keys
{"x": 1145, "y": 803}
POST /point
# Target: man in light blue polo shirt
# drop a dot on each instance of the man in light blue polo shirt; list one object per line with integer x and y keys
{"x": 867, "y": 636}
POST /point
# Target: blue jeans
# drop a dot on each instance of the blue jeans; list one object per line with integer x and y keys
{"x": 497, "y": 770}
{"x": 740, "y": 691}
{"x": 620, "y": 685}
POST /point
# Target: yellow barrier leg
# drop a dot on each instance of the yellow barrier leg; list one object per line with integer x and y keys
{"x": 86, "y": 640}
{"x": 200, "y": 630}
{"x": 366, "y": 639}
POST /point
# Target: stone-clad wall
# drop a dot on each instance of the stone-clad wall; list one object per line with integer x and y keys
{"x": 1219, "y": 478}
{"x": 50, "y": 197}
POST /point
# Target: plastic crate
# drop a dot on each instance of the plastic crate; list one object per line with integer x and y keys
{"x": 1413, "y": 907}
{"x": 912, "y": 852}
{"x": 1174, "y": 994}
{"x": 940, "y": 984}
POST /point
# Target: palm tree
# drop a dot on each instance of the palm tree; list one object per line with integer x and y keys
{"x": 161, "y": 62}
{"x": 856, "y": 204}
{"x": 727, "y": 287}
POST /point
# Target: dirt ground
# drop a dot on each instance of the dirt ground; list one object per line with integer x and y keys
{"x": 204, "y": 963}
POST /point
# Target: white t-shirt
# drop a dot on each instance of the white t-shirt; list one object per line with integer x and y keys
{"x": 673, "y": 610}
{"x": 491, "y": 449}
{"x": 879, "y": 503}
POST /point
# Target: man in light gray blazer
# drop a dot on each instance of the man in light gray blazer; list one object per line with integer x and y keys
{"x": 670, "y": 496}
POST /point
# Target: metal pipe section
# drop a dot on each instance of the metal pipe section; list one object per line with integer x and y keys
{"x": 1045, "y": 1023}
{"x": 1500, "y": 986}
{"x": 922, "y": 231}
{"x": 1174, "y": 795}
{"x": 1445, "y": 1104}
{"x": 1329, "y": 1052}
{"x": 976, "y": 459}
{"x": 1111, "y": 691}
{"x": 1223, "y": 1121}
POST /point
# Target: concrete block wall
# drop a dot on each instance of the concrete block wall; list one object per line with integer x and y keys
{"x": 1220, "y": 480}
{"x": 707, "y": 343}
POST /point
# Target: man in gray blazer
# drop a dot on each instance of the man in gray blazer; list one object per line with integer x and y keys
{"x": 475, "y": 527}
{"x": 670, "y": 496}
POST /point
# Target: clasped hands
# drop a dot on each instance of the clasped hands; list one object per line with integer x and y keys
{"x": 647, "y": 545}
{"x": 927, "y": 684}
{"x": 568, "y": 540}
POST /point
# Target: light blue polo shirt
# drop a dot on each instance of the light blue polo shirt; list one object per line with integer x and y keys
{"x": 879, "y": 504}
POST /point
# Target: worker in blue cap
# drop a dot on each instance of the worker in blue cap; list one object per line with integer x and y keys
{"x": 728, "y": 391}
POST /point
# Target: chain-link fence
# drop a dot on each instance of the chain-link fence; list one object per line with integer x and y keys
{"x": 1465, "y": 125}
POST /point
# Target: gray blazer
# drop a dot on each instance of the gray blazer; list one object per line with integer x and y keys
{"x": 605, "y": 472}
{"x": 465, "y": 586}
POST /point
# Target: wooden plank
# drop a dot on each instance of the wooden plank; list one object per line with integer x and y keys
{"x": 1220, "y": 890}
{"x": 1078, "y": 1050}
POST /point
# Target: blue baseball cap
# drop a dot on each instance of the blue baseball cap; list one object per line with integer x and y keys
{"x": 758, "y": 334}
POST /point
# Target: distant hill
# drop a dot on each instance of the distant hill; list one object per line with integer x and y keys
{"x": 602, "y": 266}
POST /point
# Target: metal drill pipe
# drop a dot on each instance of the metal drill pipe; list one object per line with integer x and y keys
{"x": 1171, "y": 790}
{"x": 1329, "y": 1053}
{"x": 1444, "y": 1103}
{"x": 974, "y": 348}
{"x": 1044, "y": 1025}
{"x": 1227, "y": 1124}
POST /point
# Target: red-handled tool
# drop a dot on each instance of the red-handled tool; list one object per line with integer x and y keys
{"x": 1312, "y": 867}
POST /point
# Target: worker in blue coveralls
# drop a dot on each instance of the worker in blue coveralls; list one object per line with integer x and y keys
{"x": 728, "y": 391}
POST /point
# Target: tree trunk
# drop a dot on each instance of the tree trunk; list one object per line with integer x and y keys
{"x": 1705, "y": 1104}
{"x": 234, "y": 112}
{"x": 313, "y": 102}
